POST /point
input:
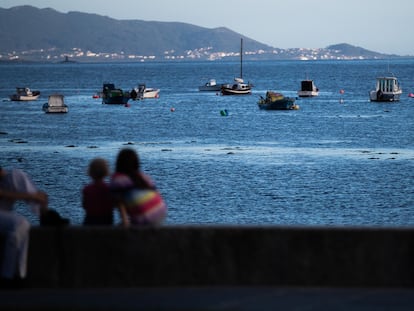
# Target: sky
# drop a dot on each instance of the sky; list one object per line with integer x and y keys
{"x": 379, "y": 25}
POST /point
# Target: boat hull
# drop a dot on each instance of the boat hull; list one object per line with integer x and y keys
{"x": 308, "y": 93}
{"x": 276, "y": 101}
{"x": 116, "y": 100}
{"x": 47, "y": 109}
{"x": 210, "y": 86}
{"x": 151, "y": 93}
{"x": 213, "y": 88}
{"x": 239, "y": 88}
{"x": 235, "y": 92}
{"x": 23, "y": 98}
{"x": 376, "y": 96}
{"x": 283, "y": 104}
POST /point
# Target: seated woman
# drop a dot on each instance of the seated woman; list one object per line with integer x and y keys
{"x": 134, "y": 192}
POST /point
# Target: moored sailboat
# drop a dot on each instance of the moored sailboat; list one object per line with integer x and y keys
{"x": 238, "y": 87}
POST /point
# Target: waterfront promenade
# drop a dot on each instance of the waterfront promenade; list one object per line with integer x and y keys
{"x": 209, "y": 298}
{"x": 217, "y": 268}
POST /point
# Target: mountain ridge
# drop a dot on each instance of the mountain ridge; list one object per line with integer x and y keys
{"x": 29, "y": 33}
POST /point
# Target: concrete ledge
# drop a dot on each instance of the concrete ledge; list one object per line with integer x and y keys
{"x": 99, "y": 257}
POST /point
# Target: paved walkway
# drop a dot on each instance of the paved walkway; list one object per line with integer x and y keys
{"x": 208, "y": 298}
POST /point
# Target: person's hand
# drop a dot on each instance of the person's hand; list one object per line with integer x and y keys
{"x": 125, "y": 223}
{"x": 43, "y": 199}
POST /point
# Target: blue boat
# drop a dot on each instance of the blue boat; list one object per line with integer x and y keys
{"x": 277, "y": 101}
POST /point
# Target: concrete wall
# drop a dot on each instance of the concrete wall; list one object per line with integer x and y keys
{"x": 202, "y": 255}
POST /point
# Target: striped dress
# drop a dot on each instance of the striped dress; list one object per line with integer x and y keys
{"x": 143, "y": 206}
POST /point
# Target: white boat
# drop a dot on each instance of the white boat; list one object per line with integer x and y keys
{"x": 24, "y": 94}
{"x": 239, "y": 87}
{"x": 387, "y": 89}
{"x": 210, "y": 86}
{"x": 151, "y": 93}
{"x": 142, "y": 92}
{"x": 308, "y": 89}
{"x": 55, "y": 104}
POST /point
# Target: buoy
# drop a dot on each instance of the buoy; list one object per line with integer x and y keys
{"x": 224, "y": 113}
{"x": 172, "y": 109}
{"x": 341, "y": 91}
{"x": 411, "y": 95}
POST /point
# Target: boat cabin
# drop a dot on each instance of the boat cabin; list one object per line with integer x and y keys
{"x": 387, "y": 84}
{"x": 55, "y": 104}
{"x": 308, "y": 89}
{"x": 387, "y": 89}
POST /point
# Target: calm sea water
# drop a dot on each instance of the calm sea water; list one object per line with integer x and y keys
{"x": 326, "y": 164}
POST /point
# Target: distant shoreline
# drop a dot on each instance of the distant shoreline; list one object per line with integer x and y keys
{"x": 88, "y": 61}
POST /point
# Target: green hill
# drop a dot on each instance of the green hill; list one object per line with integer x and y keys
{"x": 31, "y": 34}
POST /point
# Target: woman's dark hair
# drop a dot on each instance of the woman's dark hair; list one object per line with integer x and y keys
{"x": 128, "y": 163}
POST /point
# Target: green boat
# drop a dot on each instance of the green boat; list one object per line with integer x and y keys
{"x": 277, "y": 101}
{"x": 114, "y": 96}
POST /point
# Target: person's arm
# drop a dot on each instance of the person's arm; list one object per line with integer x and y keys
{"x": 124, "y": 216}
{"x": 39, "y": 197}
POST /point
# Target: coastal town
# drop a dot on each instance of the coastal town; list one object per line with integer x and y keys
{"x": 207, "y": 53}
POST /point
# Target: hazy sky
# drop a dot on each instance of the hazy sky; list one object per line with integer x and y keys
{"x": 379, "y": 25}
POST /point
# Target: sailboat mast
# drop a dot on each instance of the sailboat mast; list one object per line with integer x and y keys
{"x": 241, "y": 58}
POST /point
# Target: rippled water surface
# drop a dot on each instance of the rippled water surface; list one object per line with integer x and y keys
{"x": 325, "y": 164}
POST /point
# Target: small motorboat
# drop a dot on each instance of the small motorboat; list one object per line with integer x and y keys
{"x": 55, "y": 104}
{"x": 210, "y": 86}
{"x": 308, "y": 89}
{"x": 387, "y": 89}
{"x": 277, "y": 101}
{"x": 151, "y": 93}
{"x": 142, "y": 92}
{"x": 24, "y": 94}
